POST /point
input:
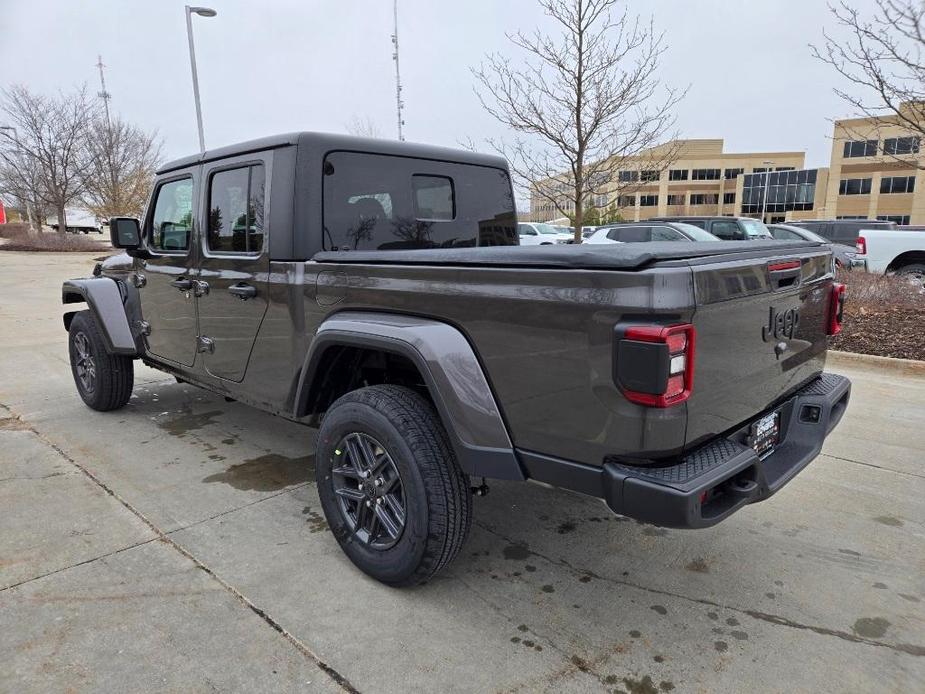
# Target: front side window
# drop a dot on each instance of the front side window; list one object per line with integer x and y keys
{"x": 526, "y": 230}
{"x": 383, "y": 202}
{"x": 172, "y": 220}
{"x": 236, "y": 206}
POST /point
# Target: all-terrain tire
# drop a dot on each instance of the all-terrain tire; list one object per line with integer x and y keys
{"x": 436, "y": 492}
{"x": 113, "y": 375}
{"x": 914, "y": 271}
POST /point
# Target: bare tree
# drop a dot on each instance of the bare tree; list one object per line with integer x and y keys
{"x": 882, "y": 58}
{"x": 363, "y": 127}
{"x": 18, "y": 178}
{"x": 121, "y": 165}
{"x": 50, "y": 144}
{"x": 587, "y": 103}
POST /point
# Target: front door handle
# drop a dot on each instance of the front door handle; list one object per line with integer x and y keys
{"x": 243, "y": 291}
{"x": 183, "y": 284}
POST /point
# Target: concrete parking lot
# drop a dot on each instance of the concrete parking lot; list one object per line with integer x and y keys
{"x": 179, "y": 544}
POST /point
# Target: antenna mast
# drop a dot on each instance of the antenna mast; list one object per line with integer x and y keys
{"x": 399, "y": 104}
{"x": 103, "y": 94}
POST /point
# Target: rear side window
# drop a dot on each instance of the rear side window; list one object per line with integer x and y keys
{"x": 173, "y": 216}
{"x": 667, "y": 234}
{"x": 785, "y": 234}
{"x": 629, "y": 234}
{"x": 236, "y": 210}
{"x": 382, "y": 202}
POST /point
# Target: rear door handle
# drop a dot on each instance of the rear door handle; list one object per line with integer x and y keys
{"x": 183, "y": 284}
{"x": 243, "y": 291}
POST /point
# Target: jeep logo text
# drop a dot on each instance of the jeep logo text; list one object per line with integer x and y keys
{"x": 781, "y": 324}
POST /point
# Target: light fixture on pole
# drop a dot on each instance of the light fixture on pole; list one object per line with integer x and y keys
{"x": 767, "y": 182}
{"x": 19, "y": 149}
{"x": 202, "y": 12}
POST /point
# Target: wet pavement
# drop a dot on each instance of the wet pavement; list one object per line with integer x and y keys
{"x": 178, "y": 544}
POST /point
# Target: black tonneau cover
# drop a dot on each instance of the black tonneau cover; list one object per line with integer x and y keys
{"x": 622, "y": 256}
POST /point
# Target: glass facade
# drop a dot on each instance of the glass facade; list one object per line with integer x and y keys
{"x": 786, "y": 191}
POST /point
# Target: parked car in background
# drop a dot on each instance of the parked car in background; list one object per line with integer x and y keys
{"x": 587, "y": 232}
{"x": 642, "y": 232}
{"x": 539, "y": 234}
{"x": 887, "y": 251}
{"x": 844, "y": 231}
{"x": 78, "y": 222}
{"x": 843, "y": 254}
{"x": 725, "y": 228}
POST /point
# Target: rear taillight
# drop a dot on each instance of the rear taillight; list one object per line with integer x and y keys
{"x": 654, "y": 364}
{"x": 861, "y": 245}
{"x": 836, "y": 308}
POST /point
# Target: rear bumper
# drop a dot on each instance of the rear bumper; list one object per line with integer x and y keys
{"x": 716, "y": 480}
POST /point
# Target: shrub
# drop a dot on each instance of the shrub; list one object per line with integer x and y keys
{"x": 20, "y": 239}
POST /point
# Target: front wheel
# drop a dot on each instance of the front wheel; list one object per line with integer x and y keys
{"x": 391, "y": 489}
{"x": 104, "y": 381}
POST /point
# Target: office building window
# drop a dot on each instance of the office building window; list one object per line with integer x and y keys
{"x": 860, "y": 148}
{"x": 677, "y": 175}
{"x": 705, "y": 174}
{"x": 704, "y": 198}
{"x": 732, "y": 173}
{"x": 759, "y": 169}
{"x": 601, "y": 200}
{"x": 854, "y": 186}
{"x": 786, "y": 191}
{"x": 898, "y": 218}
{"x": 729, "y": 198}
{"x": 901, "y": 145}
{"x": 626, "y": 201}
{"x": 897, "y": 184}
{"x": 850, "y": 216}
{"x": 785, "y": 168}
{"x": 648, "y": 200}
{"x": 649, "y": 176}
{"x": 628, "y": 176}
{"x": 676, "y": 199}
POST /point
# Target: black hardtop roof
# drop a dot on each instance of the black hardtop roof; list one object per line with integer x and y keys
{"x": 331, "y": 141}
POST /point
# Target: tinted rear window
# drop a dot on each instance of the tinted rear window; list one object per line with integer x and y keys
{"x": 381, "y": 202}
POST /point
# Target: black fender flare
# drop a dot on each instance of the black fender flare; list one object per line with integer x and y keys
{"x": 104, "y": 298}
{"x": 453, "y": 375}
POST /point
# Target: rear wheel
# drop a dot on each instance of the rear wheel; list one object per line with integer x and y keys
{"x": 104, "y": 381}
{"x": 391, "y": 489}
{"x": 914, "y": 272}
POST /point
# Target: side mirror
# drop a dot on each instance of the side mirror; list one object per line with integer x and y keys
{"x": 125, "y": 232}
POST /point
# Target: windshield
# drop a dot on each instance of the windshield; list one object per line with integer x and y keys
{"x": 696, "y": 233}
{"x": 755, "y": 229}
{"x": 547, "y": 229}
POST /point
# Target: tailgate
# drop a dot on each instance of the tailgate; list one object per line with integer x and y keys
{"x": 761, "y": 333}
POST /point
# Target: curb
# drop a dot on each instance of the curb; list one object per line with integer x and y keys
{"x": 911, "y": 367}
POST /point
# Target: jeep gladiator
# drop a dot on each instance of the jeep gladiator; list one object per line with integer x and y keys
{"x": 377, "y": 291}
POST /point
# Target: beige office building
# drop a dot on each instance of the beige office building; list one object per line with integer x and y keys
{"x": 873, "y": 174}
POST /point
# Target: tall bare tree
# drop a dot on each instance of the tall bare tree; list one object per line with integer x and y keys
{"x": 122, "y": 160}
{"x": 586, "y": 103}
{"x": 363, "y": 127}
{"x": 51, "y": 139}
{"x": 18, "y": 178}
{"x": 883, "y": 58}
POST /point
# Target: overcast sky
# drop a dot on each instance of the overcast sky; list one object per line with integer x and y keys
{"x": 275, "y": 66}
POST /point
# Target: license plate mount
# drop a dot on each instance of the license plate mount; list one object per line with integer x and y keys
{"x": 764, "y": 434}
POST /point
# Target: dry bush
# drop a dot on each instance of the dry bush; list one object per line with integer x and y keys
{"x": 884, "y": 316}
{"x": 13, "y": 229}
{"x": 21, "y": 240}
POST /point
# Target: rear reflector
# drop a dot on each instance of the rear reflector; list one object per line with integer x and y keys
{"x": 655, "y": 363}
{"x": 836, "y": 308}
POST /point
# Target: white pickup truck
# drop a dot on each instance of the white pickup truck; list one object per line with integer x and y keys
{"x": 892, "y": 251}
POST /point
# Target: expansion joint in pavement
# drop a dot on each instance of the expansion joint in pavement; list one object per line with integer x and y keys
{"x": 335, "y": 676}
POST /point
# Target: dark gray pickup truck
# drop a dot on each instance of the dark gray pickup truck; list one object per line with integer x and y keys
{"x": 377, "y": 290}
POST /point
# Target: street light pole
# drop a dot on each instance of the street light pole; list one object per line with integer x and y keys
{"x": 767, "y": 183}
{"x": 19, "y": 149}
{"x": 202, "y": 12}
